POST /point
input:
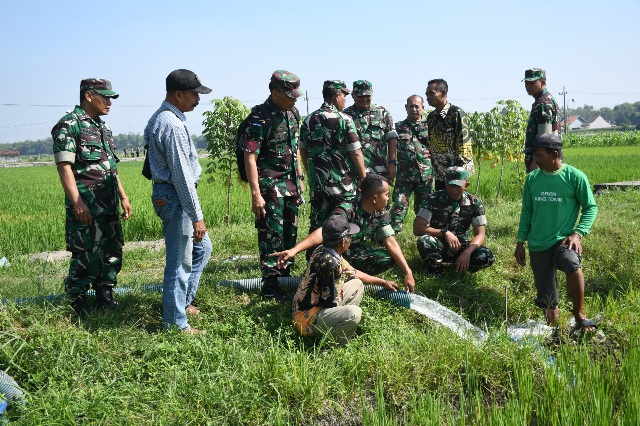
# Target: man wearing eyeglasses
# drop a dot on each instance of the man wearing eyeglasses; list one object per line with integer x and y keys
{"x": 175, "y": 172}
{"x": 84, "y": 152}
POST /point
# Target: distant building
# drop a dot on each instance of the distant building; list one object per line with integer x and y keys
{"x": 9, "y": 156}
{"x": 596, "y": 123}
{"x": 574, "y": 122}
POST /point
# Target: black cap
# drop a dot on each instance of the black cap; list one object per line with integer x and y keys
{"x": 545, "y": 140}
{"x": 337, "y": 227}
{"x": 185, "y": 80}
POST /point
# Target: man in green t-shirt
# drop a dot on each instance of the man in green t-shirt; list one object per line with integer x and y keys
{"x": 553, "y": 197}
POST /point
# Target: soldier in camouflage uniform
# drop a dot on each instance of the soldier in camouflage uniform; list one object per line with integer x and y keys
{"x": 275, "y": 175}
{"x": 544, "y": 111}
{"x": 443, "y": 223}
{"x": 330, "y": 151}
{"x": 84, "y": 153}
{"x": 375, "y": 130}
{"x": 414, "y": 162}
{"x": 374, "y": 248}
{"x": 449, "y": 135}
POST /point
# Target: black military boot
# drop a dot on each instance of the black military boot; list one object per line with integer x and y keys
{"x": 435, "y": 267}
{"x": 104, "y": 296}
{"x": 271, "y": 290}
{"x": 80, "y": 305}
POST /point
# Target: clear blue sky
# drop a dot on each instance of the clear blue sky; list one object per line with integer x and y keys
{"x": 480, "y": 47}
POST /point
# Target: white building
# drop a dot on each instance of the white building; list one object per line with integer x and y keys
{"x": 596, "y": 123}
{"x": 9, "y": 156}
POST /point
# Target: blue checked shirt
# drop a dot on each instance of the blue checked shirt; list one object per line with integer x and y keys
{"x": 173, "y": 157}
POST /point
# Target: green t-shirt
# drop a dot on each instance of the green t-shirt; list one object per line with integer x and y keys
{"x": 551, "y": 202}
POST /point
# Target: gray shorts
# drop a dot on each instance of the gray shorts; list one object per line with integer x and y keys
{"x": 544, "y": 265}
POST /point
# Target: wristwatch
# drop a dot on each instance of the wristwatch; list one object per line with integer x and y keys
{"x": 444, "y": 231}
{"x": 394, "y": 162}
{"x": 301, "y": 177}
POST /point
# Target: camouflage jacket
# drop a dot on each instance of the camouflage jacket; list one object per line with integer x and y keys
{"x": 89, "y": 146}
{"x": 449, "y": 140}
{"x": 543, "y": 118}
{"x": 374, "y": 227}
{"x": 278, "y": 163}
{"x": 414, "y": 160}
{"x": 375, "y": 128}
{"x": 458, "y": 215}
{"x": 328, "y": 136}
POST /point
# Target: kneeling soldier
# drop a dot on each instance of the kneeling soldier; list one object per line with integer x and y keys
{"x": 443, "y": 222}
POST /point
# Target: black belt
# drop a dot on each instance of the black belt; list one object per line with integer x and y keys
{"x": 169, "y": 183}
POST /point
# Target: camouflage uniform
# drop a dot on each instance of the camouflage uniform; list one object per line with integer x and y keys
{"x": 375, "y": 128}
{"x": 367, "y": 252}
{"x": 96, "y": 249}
{"x": 414, "y": 170}
{"x": 449, "y": 140}
{"x": 328, "y": 135}
{"x": 544, "y": 114}
{"x": 277, "y": 162}
{"x": 440, "y": 211}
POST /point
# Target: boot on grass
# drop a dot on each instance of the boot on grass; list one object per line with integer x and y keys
{"x": 104, "y": 297}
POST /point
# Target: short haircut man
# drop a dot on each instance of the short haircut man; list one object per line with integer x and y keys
{"x": 415, "y": 171}
{"x": 449, "y": 134}
{"x": 373, "y": 249}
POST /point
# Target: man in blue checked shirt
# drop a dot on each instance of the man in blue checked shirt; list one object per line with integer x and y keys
{"x": 175, "y": 173}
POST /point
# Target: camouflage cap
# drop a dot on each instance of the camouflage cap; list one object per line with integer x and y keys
{"x": 534, "y": 74}
{"x": 456, "y": 176}
{"x": 337, "y": 227}
{"x": 287, "y": 82}
{"x": 183, "y": 80}
{"x": 99, "y": 85}
{"x": 337, "y": 85}
{"x": 545, "y": 140}
{"x": 362, "y": 88}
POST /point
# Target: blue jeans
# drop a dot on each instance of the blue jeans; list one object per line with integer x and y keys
{"x": 185, "y": 260}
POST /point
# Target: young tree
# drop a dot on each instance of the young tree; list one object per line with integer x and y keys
{"x": 499, "y": 135}
{"x": 221, "y": 126}
{"x": 512, "y": 121}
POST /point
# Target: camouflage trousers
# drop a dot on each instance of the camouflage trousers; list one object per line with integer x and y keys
{"x": 277, "y": 231}
{"x": 402, "y": 194}
{"x": 434, "y": 251}
{"x": 322, "y": 207}
{"x": 370, "y": 260}
{"x": 96, "y": 253}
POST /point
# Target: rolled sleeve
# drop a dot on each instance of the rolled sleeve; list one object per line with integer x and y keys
{"x": 385, "y": 231}
{"x": 479, "y": 221}
{"x": 64, "y": 156}
{"x": 425, "y": 214}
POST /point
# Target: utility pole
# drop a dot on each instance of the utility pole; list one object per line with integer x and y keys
{"x": 564, "y": 99}
{"x": 306, "y": 98}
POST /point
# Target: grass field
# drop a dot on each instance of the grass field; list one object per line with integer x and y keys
{"x": 251, "y": 368}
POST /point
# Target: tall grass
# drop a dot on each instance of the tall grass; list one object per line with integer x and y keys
{"x": 252, "y": 369}
{"x": 32, "y": 206}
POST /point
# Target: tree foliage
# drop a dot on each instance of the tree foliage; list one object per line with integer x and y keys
{"x": 221, "y": 126}
{"x": 626, "y": 114}
{"x": 498, "y": 135}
